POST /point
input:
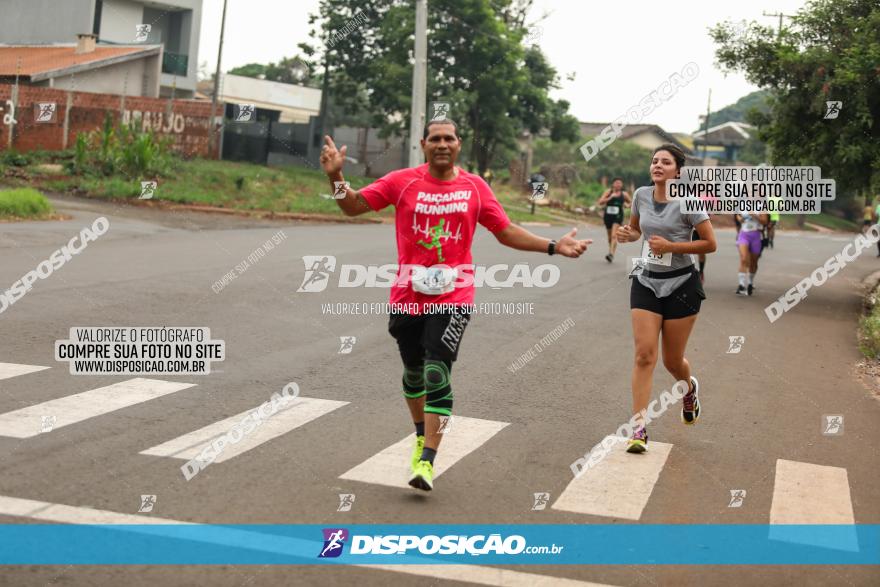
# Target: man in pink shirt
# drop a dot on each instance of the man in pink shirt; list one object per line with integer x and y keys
{"x": 437, "y": 208}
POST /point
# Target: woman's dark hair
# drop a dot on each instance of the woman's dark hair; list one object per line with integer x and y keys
{"x": 620, "y": 179}
{"x": 676, "y": 153}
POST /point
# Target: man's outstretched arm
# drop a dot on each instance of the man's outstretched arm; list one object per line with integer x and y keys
{"x": 332, "y": 160}
{"x": 517, "y": 237}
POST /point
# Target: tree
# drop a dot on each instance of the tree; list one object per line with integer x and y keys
{"x": 477, "y": 61}
{"x": 290, "y": 70}
{"x": 831, "y": 51}
{"x": 740, "y": 110}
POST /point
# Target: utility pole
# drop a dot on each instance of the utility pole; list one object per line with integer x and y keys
{"x": 420, "y": 85}
{"x": 706, "y": 125}
{"x": 780, "y": 15}
{"x": 322, "y": 109}
{"x": 217, "y": 85}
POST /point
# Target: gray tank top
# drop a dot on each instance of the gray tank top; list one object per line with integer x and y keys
{"x": 666, "y": 220}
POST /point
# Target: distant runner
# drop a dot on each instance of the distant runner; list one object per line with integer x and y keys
{"x": 437, "y": 209}
{"x": 614, "y": 200}
{"x": 749, "y": 242}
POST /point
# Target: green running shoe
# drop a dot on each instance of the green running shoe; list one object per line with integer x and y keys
{"x": 639, "y": 441}
{"x": 423, "y": 476}
{"x": 417, "y": 452}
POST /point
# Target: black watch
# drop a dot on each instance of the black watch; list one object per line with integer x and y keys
{"x": 551, "y": 247}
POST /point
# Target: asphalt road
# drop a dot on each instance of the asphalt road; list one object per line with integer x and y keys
{"x": 761, "y": 405}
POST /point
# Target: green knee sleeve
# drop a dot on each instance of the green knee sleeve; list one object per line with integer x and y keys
{"x": 439, "y": 392}
{"x": 413, "y": 382}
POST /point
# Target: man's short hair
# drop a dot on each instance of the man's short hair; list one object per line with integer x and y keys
{"x": 444, "y": 121}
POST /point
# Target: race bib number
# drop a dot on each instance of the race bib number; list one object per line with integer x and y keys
{"x": 654, "y": 259}
{"x": 612, "y": 210}
{"x": 434, "y": 281}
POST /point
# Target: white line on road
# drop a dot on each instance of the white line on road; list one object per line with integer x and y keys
{"x": 27, "y": 422}
{"x": 619, "y": 486}
{"x": 804, "y": 493}
{"x": 810, "y": 494}
{"x": 484, "y": 575}
{"x": 391, "y": 466}
{"x": 298, "y": 412}
{"x": 8, "y": 370}
{"x": 65, "y": 514}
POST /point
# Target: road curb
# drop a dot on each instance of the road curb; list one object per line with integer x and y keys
{"x": 870, "y": 282}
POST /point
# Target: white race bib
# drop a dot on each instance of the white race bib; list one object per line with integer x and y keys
{"x": 654, "y": 259}
{"x": 435, "y": 280}
{"x": 612, "y": 210}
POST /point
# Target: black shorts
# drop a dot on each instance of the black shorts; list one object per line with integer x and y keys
{"x": 683, "y": 302}
{"x": 867, "y": 222}
{"x": 610, "y": 221}
{"x": 428, "y": 336}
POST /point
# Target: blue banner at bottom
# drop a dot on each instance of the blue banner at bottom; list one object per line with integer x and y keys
{"x": 506, "y": 544}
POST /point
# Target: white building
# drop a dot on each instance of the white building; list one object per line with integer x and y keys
{"x": 175, "y": 24}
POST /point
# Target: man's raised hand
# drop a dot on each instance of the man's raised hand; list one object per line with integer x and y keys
{"x": 331, "y": 158}
{"x": 568, "y": 246}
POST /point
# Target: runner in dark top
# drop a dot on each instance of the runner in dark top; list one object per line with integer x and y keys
{"x": 614, "y": 200}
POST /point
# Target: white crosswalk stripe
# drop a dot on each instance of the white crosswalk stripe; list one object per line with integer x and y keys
{"x": 28, "y": 422}
{"x": 65, "y": 514}
{"x": 391, "y": 466}
{"x": 298, "y": 412}
{"x": 8, "y": 370}
{"x": 619, "y": 486}
{"x": 805, "y": 493}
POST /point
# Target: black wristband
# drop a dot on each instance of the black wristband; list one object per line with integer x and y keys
{"x": 551, "y": 247}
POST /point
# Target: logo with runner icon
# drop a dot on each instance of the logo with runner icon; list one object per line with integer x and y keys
{"x": 346, "y": 501}
{"x": 334, "y": 541}
{"x": 346, "y": 344}
{"x": 147, "y": 503}
{"x": 539, "y": 190}
{"x": 832, "y": 109}
{"x": 541, "y": 501}
{"x": 440, "y": 111}
{"x": 737, "y": 496}
{"x": 318, "y": 270}
{"x": 736, "y": 344}
{"x": 832, "y": 424}
{"x": 45, "y": 112}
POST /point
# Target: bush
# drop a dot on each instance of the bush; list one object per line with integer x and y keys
{"x": 869, "y": 327}
{"x": 24, "y": 203}
{"x": 122, "y": 150}
{"x": 16, "y": 159}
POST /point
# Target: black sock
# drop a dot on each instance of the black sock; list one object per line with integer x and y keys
{"x": 420, "y": 428}
{"x": 428, "y": 454}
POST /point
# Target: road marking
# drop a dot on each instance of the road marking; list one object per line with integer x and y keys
{"x": 619, "y": 486}
{"x": 8, "y": 370}
{"x": 391, "y": 466}
{"x": 65, "y": 514}
{"x": 804, "y": 493}
{"x": 27, "y": 422}
{"x": 484, "y": 575}
{"x": 298, "y": 412}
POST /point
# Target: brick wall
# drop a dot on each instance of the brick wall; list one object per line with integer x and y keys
{"x": 186, "y": 122}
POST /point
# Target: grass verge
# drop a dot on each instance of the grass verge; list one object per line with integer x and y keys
{"x": 24, "y": 204}
{"x": 869, "y": 326}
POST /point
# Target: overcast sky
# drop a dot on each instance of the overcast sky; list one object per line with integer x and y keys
{"x": 619, "y": 50}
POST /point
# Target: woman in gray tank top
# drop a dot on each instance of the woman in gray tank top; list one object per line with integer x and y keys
{"x": 665, "y": 297}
